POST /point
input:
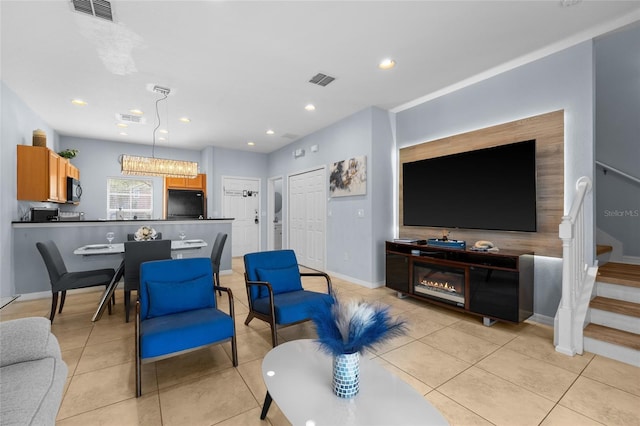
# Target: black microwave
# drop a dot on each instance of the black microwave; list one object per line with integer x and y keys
{"x": 74, "y": 190}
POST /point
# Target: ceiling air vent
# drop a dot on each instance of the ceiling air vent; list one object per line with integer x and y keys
{"x": 290, "y": 136}
{"x": 97, "y": 8}
{"x": 321, "y": 79}
{"x": 130, "y": 118}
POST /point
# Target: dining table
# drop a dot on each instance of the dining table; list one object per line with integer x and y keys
{"x": 118, "y": 249}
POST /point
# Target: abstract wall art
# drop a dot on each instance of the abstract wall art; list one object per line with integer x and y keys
{"x": 348, "y": 177}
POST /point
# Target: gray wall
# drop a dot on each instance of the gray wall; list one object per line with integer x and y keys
{"x": 18, "y": 122}
{"x": 97, "y": 160}
{"x": 617, "y": 61}
{"x": 348, "y": 236}
{"x": 560, "y": 81}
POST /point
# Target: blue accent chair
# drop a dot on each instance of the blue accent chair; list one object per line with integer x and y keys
{"x": 274, "y": 289}
{"x": 177, "y": 311}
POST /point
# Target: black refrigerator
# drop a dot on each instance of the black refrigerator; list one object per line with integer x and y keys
{"x": 185, "y": 204}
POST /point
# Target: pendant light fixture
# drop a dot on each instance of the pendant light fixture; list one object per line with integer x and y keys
{"x": 152, "y": 166}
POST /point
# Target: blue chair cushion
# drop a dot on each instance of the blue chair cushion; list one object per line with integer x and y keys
{"x": 293, "y": 306}
{"x": 171, "y": 297}
{"x": 282, "y": 280}
{"x": 186, "y": 330}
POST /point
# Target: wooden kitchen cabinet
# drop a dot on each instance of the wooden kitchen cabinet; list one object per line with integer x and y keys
{"x": 198, "y": 182}
{"x": 41, "y": 174}
{"x": 73, "y": 171}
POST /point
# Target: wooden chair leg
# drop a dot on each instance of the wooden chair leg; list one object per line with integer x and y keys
{"x": 234, "y": 351}
{"x": 54, "y": 305}
{"x": 138, "y": 373}
{"x": 274, "y": 334}
{"x": 249, "y": 318}
{"x": 62, "y": 299}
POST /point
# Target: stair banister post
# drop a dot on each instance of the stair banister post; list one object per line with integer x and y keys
{"x": 565, "y": 310}
{"x": 572, "y": 260}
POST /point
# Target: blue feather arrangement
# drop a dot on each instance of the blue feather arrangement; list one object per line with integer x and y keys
{"x": 346, "y": 328}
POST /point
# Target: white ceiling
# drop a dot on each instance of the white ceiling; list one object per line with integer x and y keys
{"x": 238, "y": 68}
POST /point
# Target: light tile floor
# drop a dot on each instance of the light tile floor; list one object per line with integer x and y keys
{"x": 475, "y": 375}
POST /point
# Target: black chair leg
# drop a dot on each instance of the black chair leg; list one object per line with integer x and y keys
{"x": 62, "y": 299}
{"x": 111, "y": 303}
{"x": 54, "y": 305}
{"x": 249, "y": 318}
{"x": 127, "y": 303}
{"x": 265, "y": 406}
{"x": 216, "y": 280}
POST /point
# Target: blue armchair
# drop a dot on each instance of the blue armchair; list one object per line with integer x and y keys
{"x": 177, "y": 311}
{"x": 274, "y": 289}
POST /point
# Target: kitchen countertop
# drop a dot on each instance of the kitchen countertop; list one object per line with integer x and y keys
{"x": 128, "y": 222}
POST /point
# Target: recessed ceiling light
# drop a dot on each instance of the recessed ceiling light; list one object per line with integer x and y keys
{"x": 136, "y": 111}
{"x": 185, "y": 119}
{"x": 122, "y": 125}
{"x": 162, "y": 139}
{"x": 387, "y": 64}
{"x": 79, "y": 102}
{"x": 163, "y": 131}
{"x": 270, "y": 132}
{"x": 310, "y": 107}
{"x": 251, "y": 143}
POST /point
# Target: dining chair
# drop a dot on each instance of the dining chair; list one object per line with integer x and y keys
{"x": 216, "y": 255}
{"x": 132, "y": 237}
{"x": 63, "y": 280}
{"x": 135, "y": 253}
{"x": 274, "y": 289}
{"x": 177, "y": 312}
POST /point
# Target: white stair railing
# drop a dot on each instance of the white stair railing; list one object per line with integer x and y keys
{"x": 577, "y": 277}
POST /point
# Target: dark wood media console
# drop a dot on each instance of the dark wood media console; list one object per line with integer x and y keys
{"x": 495, "y": 285}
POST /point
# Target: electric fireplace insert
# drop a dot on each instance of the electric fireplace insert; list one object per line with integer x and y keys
{"x": 439, "y": 281}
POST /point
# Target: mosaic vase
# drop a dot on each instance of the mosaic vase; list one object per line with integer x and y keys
{"x": 346, "y": 375}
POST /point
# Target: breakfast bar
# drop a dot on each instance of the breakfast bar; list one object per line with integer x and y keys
{"x": 30, "y": 273}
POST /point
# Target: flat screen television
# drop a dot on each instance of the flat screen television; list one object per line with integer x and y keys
{"x": 492, "y": 188}
{"x": 185, "y": 204}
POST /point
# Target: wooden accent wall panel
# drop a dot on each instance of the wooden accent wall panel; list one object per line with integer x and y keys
{"x": 548, "y": 131}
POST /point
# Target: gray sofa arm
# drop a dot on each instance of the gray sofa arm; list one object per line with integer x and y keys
{"x": 27, "y": 339}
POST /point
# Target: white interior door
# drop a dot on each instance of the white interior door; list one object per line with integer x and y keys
{"x": 241, "y": 202}
{"x": 307, "y": 218}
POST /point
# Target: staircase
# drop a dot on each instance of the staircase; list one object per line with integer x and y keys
{"x": 614, "y": 314}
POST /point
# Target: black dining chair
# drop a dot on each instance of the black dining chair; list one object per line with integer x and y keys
{"x": 63, "y": 280}
{"x": 216, "y": 255}
{"x": 132, "y": 237}
{"x": 135, "y": 253}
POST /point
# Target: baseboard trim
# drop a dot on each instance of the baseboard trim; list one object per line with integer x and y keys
{"x": 542, "y": 319}
{"x": 634, "y": 260}
{"x": 366, "y": 284}
{"x": 47, "y": 294}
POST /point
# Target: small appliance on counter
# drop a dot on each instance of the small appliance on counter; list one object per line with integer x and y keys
{"x": 44, "y": 214}
{"x": 70, "y": 216}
